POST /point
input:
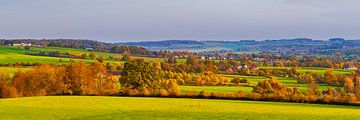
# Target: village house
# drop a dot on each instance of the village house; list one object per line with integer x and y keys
{"x": 259, "y": 59}
{"x": 350, "y": 68}
{"x": 251, "y": 67}
{"x": 89, "y": 49}
{"x": 21, "y": 44}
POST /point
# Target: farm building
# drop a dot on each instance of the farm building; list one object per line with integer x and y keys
{"x": 349, "y": 66}
{"x": 21, "y": 44}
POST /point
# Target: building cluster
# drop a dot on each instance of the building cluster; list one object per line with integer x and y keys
{"x": 20, "y": 44}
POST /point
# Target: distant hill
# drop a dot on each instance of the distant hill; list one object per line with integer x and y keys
{"x": 168, "y": 44}
{"x": 283, "y": 46}
{"x": 69, "y": 43}
{"x": 190, "y": 45}
{"x": 248, "y": 45}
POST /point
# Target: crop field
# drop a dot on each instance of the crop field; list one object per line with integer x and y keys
{"x": 320, "y": 71}
{"x": 15, "y": 55}
{"x": 93, "y": 107}
{"x": 216, "y": 88}
{"x": 21, "y": 50}
{"x": 290, "y": 82}
{"x": 12, "y": 69}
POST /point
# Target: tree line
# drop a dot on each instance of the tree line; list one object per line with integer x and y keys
{"x": 139, "y": 78}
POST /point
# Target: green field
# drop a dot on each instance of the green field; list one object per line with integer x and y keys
{"x": 21, "y": 50}
{"x": 216, "y": 88}
{"x": 246, "y": 89}
{"x": 15, "y": 55}
{"x": 320, "y": 71}
{"x": 92, "y": 107}
{"x": 290, "y": 82}
{"x": 9, "y": 54}
{"x": 12, "y": 70}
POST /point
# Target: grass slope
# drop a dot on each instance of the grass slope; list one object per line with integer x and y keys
{"x": 12, "y": 69}
{"x": 318, "y": 70}
{"x": 9, "y": 54}
{"x": 290, "y": 82}
{"x": 91, "y": 107}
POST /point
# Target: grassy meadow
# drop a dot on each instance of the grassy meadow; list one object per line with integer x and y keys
{"x": 12, "y": 69}
{"x": 216, "y": 88}
{"x": 290, "y": 82}
{"x": 94, "y": 107}
{"x": 9, "y": 54}
{"x": 318, "y": 70}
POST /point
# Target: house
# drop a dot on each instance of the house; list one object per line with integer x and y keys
{"x": 259, "y": 59}
{"x": 242, "y": 66}
{"x": 350, "y": 68}
{"x": 251, "y": 67}
{"x": 89, "y": 49}
{"x": 21, "y": 44}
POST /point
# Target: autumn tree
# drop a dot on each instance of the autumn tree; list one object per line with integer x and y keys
{"x": 138, "y": 74}
{"x": 357, "y": 87}
{"x": 329, "y": 76}
{"x": 6, "y": 90}
{"x": 348, "y": 85}
{"x": 84, "y": 56}
{"x": 170, "y": 58}
{"x": 271, "y": 86}
{"x": 76, "y": 77}
{"x": 100, "y": 58}
{"x": 125, "y": 57}
{"x": 312, "y": 87}
{"x": 191, "y": 60}
{"x": 92, "y": 56}
{"x": 305, "y": 78}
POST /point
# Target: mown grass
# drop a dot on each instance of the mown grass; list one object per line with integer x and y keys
{"x": 92, "y": 107}
{"x": 290, "y": 82}
{"x": 216, "y": 88}
{"x": 12, "y": 69}
{"x": 9, "y": 54}
{"x": 318, "y": 70}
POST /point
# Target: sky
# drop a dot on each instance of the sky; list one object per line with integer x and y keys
{"x": 142, "y": 20}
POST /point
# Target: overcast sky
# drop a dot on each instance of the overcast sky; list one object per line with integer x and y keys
{"x": 140, "y": 20}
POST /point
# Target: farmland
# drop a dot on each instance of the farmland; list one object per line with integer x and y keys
{"x": 87, "y": 107}
{"x": 12, "y": 70}
{"x": 17, "y": 55}
{"x": 290, "y": 82}
{"x": 318, "y": 70}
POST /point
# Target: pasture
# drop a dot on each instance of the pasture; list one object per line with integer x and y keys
{"x": 9, "y": 54}
{"x": 318, "y": 70}
{"x": 290, "y": 82}
{"x": 12, "y": 69}
{"x": 216, "y": 88}
{"x": 94, "y": 107}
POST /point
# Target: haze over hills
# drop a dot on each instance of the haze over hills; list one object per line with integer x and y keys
{"x": 298, "y": 46}
{"x": 248, "y": 45}
{"x": 282, "y": 45}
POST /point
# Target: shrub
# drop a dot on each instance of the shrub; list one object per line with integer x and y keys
{"x": 163, "y": 93}
{"x": 204, "y": 94}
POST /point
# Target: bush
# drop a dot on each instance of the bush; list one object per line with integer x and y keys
{"x": 163, "y": 93}
{"x": 204, "y": 94}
